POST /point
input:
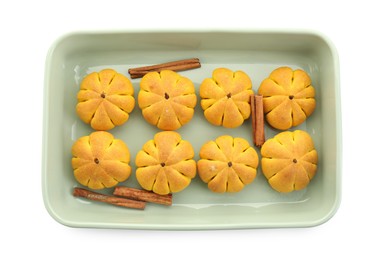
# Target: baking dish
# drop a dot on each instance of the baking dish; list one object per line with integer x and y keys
{"x": 256, "y": 52}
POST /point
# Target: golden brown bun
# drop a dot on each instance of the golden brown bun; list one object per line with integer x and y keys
{"x": 289, "y": 160}
{"x": 167, "y": 99}
{"x": 100, "y": 161}
{"x": 226, "y": 97}
{"x": 288, "y": 97}
{"x": 227, "y": 164}
{"x": 105, "y": 99}
{"x": 165, "y": 165}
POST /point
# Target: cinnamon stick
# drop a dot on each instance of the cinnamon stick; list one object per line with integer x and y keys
{"x": 143, "y": 195}
{"x": 180, "y": 67}
{"x": 173, "y": 65}
{"x": 257, "y": 116}
{"x": 122, "y": 202}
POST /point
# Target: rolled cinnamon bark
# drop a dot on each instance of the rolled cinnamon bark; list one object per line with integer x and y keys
{"x": 257, "y": 116}
{"x": 179, "y": 65}
{"x": 122, "y": 202}
{"x": 143, "y": 195}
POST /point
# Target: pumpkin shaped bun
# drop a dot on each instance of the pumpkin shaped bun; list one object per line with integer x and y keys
{"x": 288, "y": 97}
{"x": 167, "y": 99}
{"x": 289, "y": 160}
{"x": 105, "y": 99}
{"x": 165, "y": 165}
{"x": 225, "y": 98}
{"x": 227, "y": 164}
{"x": 100, "y": 161}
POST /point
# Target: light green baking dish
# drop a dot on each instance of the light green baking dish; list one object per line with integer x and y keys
{"x": 256, "y": 52}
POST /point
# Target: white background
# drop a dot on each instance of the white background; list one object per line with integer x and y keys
{"x": 28, "y": 28}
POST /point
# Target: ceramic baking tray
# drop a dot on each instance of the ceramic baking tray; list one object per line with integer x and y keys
{"x": 255, "y": 52}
